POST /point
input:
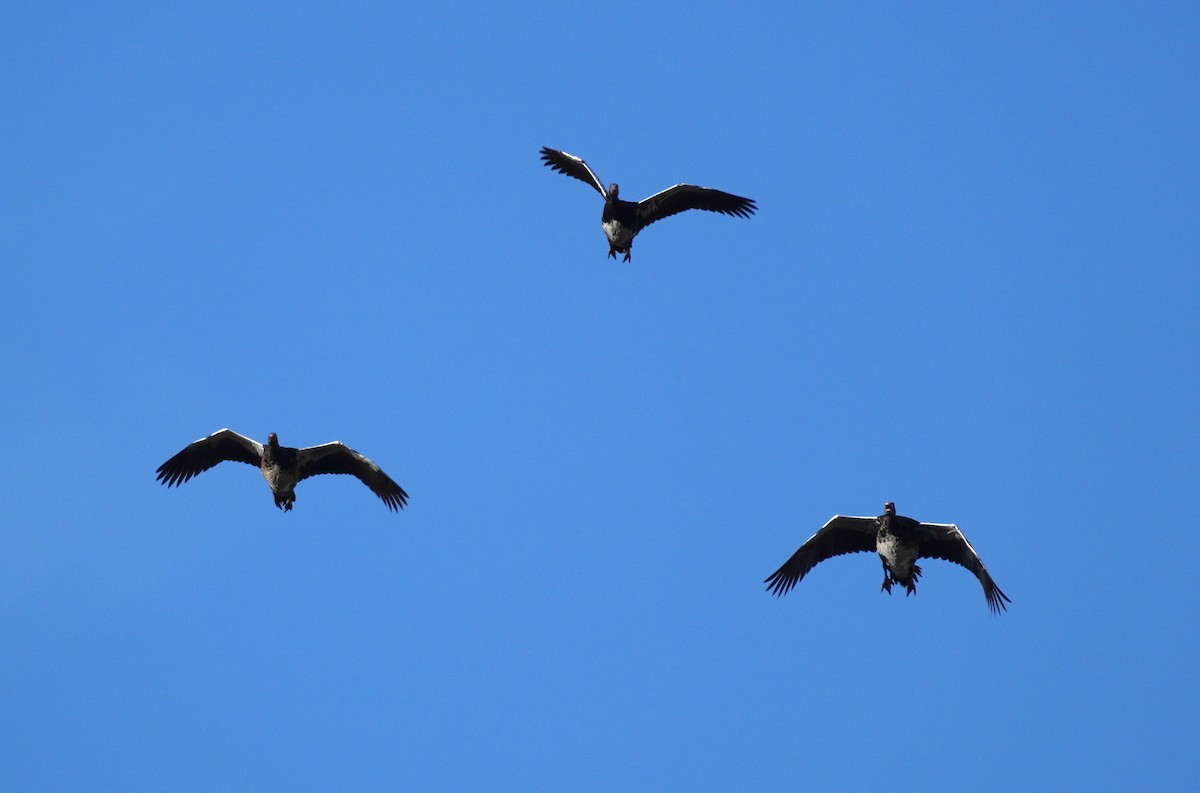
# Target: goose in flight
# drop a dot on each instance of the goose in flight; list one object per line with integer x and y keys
{"x": 899, "y": 541}
{"x": 281, "y": 466}
{"x": 622, "y": 220}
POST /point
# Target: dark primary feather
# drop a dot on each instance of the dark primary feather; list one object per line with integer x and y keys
{"x": 571, "y": 165}
{"x": 841, "y": 534}
{"x": 198, "y": 456}
{"x": 338, "y": 458}
{"x": 946, "y": 541}
{"x": 683, "y": 197}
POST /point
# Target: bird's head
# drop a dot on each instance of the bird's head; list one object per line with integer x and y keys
{"x": 889, "y": 508}
{"x": 273, "y": 439}
{"x": 613, "y": 190}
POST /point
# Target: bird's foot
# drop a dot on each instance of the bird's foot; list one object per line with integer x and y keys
{"x": 886, "y": 586}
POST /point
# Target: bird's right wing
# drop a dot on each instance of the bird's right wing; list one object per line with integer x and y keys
{"x": 682, "y": 197}
{"x": 946, "y": 541}
{"x": 572, "y": 166}
{"x": 199, "y": 456}
{"x": 842, "y": 534}
{"x": 338, "y": 458}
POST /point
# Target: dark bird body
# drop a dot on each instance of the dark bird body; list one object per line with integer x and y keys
{"x": 622, "y": 220}
{"x": 899, "y": 541}
{"x": 282, "y": 466}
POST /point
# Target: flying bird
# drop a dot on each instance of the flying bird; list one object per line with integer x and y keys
{"x": 622, "y": 220}
{"x": 281, "y": 466}
{"x": 899, "y": 541}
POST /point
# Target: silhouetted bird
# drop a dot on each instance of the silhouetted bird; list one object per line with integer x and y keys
{"x": 899, "y": 541}
{"x": 622, "y": 220}
{"x": 281, "y": 466}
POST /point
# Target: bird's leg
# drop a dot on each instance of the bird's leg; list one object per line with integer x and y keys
{"x": 886, "y": 586}
{"x": 912, "y": 581}
{"x": 629, "y": 253}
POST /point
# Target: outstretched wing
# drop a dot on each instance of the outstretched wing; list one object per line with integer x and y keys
{"x": 683, "y": 197}
{"x": 199, "y": 456}
{"x": 842, "y": 534}
{"x": 945, "y": 541}
{"x": 572, "y": 166}
{"x": 338, "y": 458}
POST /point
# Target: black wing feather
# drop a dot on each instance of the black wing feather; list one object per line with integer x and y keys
{"x": 338, "y": 458}
{"x": 683, "y": 197}
{"x": 945, "y": 541}
{"x": 571, "y": 165}
{"x": 199, "y": 456}
{"x": 842, "y": 534}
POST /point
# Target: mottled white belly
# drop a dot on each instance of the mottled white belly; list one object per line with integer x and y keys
{"x": 279, "y": 480}
{"x": 898, "y": 557}
{"x": 618, "y": 235}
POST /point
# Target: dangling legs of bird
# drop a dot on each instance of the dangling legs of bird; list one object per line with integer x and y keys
{"x": 613, "y": 251}
{"x": 911, "y": 584}
{"x": 285, "y": 501}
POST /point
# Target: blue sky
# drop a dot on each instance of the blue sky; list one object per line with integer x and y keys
{"x": 971, "y": 288}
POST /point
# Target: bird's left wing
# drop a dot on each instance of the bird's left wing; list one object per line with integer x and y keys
{"x": 338, "y": 458}
{"x": 572, "y": 166}
{"x": 841, "y": 534}
{"x": 198, "y": 456}
{"x": 683, "y": 197}
{"x": 945, "y": 541}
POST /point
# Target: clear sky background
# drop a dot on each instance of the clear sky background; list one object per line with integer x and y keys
{"x": 971, "y": 288}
